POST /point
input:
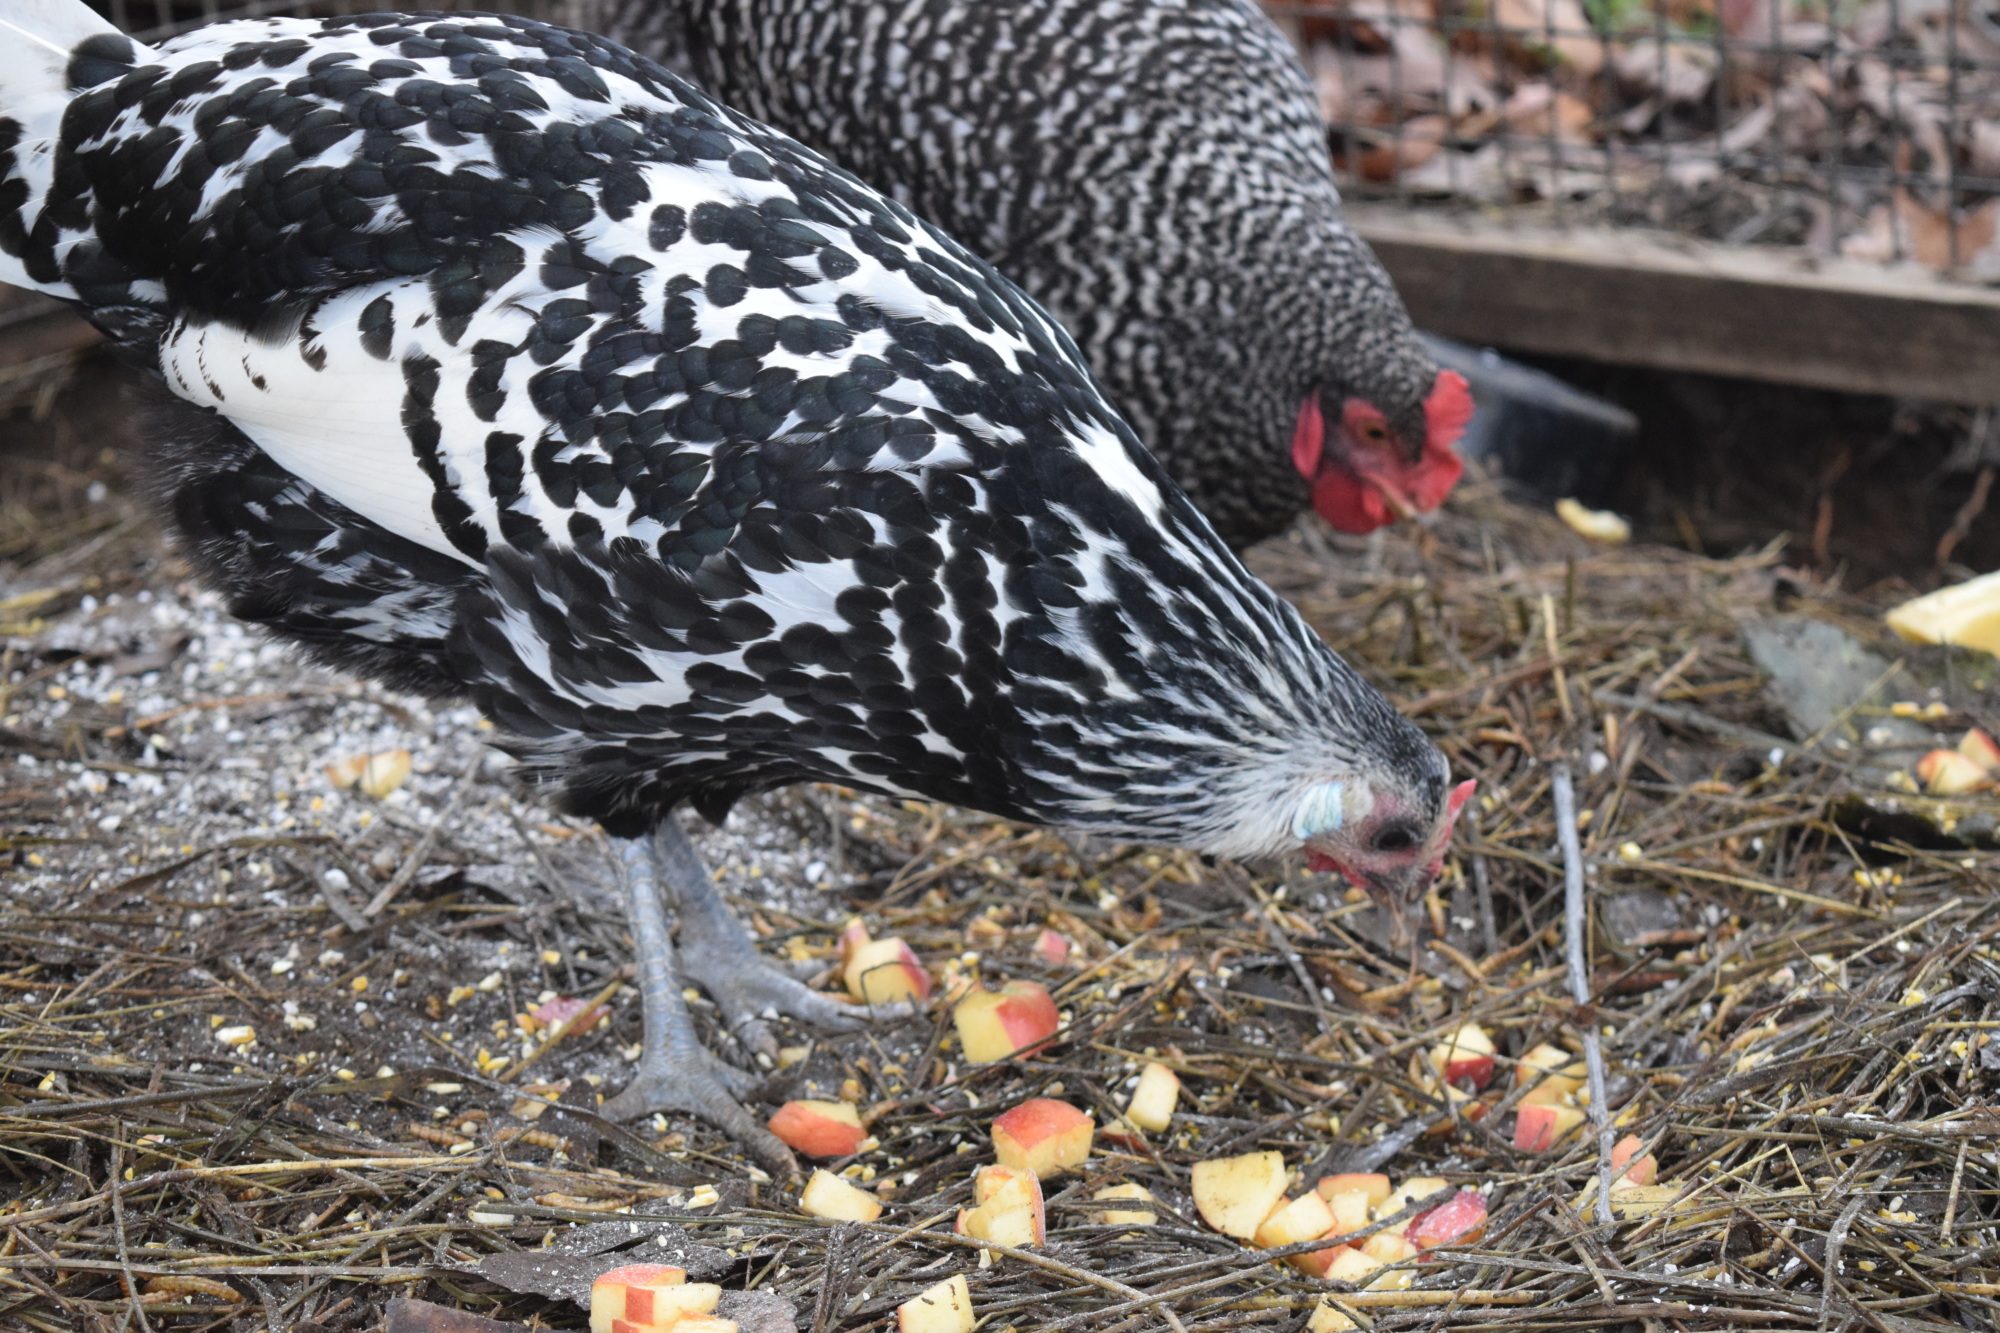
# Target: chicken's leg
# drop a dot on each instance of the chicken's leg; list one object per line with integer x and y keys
{"x": 723, "y": 960}
{"x": 676, "y": 1072}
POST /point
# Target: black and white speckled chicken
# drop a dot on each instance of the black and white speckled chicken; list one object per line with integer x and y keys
{"x": 1155, "y": 173}
{"x": 501, "y": 362}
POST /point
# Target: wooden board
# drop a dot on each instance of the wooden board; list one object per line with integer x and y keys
{"x": 1636, "y": 299}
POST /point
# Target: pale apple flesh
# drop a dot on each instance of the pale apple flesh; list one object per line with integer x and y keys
{"x": 1154, "y": 1098}
{"x": 1009, "y": 1207}
{"x": 640, "y": 1298}
{"x": 1043, "y": 1136}
{"x": 828, "y": 1196}
{"x": 1304, "y": 1218}
{"x": 1371, "y": 1185}
{"x": 1235, "y": 1194}
{"x": 1126, "y": 1217}
{"x": 944, "y": 1308}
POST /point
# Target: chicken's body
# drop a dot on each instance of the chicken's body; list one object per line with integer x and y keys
{"x": 506, "y": 364}
{"x": 1153, "y": 172}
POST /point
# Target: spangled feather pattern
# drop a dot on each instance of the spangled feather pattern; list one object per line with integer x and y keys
{"x": 700, "y": 466}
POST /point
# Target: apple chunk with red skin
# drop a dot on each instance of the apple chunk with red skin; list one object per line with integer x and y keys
{"x": 1235, "y": 1194}
{"x": 885, "y": 972}
{"x": 993, "y": 1025}
{"x": 1460, "y": 1218}
{"x": 1630, "y": 1166}
{"x": 647, "y": 1296}
{"x": 1541, "y": 1127}
{"x": 1042, "y": 1135}
{"x": 1465, "y": 1058}
{"x": 819, "y": 1129}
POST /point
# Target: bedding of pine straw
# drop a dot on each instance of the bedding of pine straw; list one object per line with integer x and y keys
{"x": 1799, "y": 1023}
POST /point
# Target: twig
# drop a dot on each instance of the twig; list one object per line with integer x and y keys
{"x": 415, "y": 860}
{"x": 1579, "y": 980}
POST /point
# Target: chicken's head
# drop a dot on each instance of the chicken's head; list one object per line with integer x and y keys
{"x": 1367, "y": 468}
{"x": 1391, "y": 843}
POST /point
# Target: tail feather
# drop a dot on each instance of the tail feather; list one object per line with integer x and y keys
{"x": 37, "y": 40}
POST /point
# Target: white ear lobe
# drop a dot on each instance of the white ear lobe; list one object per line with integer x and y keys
{"x": 1323, "y": 811}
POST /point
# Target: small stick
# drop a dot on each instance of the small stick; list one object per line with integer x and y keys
{"x": 1579, "y": 979}
{"x": 415, "y": 860}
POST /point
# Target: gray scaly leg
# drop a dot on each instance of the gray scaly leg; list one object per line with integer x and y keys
{"x": 723, "y": 960}
{"x": 676, "y": 1072}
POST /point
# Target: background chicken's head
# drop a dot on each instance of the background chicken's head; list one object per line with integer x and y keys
{"x": 1368, "y": 464}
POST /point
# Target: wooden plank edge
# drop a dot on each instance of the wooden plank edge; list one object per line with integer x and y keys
{"x": 1631, "y": 298}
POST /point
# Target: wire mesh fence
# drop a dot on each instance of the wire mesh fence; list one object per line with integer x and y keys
{"x": 1863, "y": 128}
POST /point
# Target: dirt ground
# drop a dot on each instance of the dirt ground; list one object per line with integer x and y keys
{"x": 1796, "y": 1012}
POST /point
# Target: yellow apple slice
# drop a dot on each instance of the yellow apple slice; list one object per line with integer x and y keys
{"x": 1126, "y": 1217}
{"x": 1154, "y": 1098}
{"x": 1235, "y": 1194}
{"x": 944, "y": 1308}
{"x": 828, "y": 1196}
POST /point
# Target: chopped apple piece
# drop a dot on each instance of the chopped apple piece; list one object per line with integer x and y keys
{"x": 1550, "y": 1071}
{"x": 1547, "y": 1094}
{"x": 993, "y": 1025}
{"x": 1460, "y": 1218}
{"x": 1154, "y": 1098}
{"x": 1949, "y": 773}
{"x": 1351, "y": 1265}
{"x": 1042, "y": 1135}
{"x": 1389, "y": 1246}
{"x": 1371, "y": 1185}
{"x": 1053, "y": 947}
{"x": 1643, "y": 1200}
{"x": 819, "y": 1129}
{"x": 1981, "y": 749}
{"x": 945, "y": 1308}
{"x": 1235, "y": 1194}
{"x": 1630, "y": 1166}
{"x": 827, "y": 1195}
{"x": 1540, "y": 1128}
{"x": 1414, "y": 1190}
{"x": 1126, "y": 1217}
{"x": 1329, "y": 1318}
{"x": 628, "y": 1294}
{"x": 1350, "y": 1209}
{"x": 1317, "y": 1263}
{"x": 1967, "y": 614}
{"x": 886, "y": 972}
{"x": 1010, "y": 1209}
{"x": 1304, "y": 1218}
{"x": 1465, "y": 1058}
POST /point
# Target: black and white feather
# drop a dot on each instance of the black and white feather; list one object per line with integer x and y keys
{"x": 1153, "y": 172}
{"x": 504, "y": 362}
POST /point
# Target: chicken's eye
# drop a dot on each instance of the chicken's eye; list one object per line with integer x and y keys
{"x": 1374, "y": 432}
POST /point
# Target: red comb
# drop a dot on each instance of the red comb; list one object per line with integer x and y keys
{"x": 1447, "y": 409}
{"x": 1308, "y": 438}
{"x": 1459, "y": 796}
